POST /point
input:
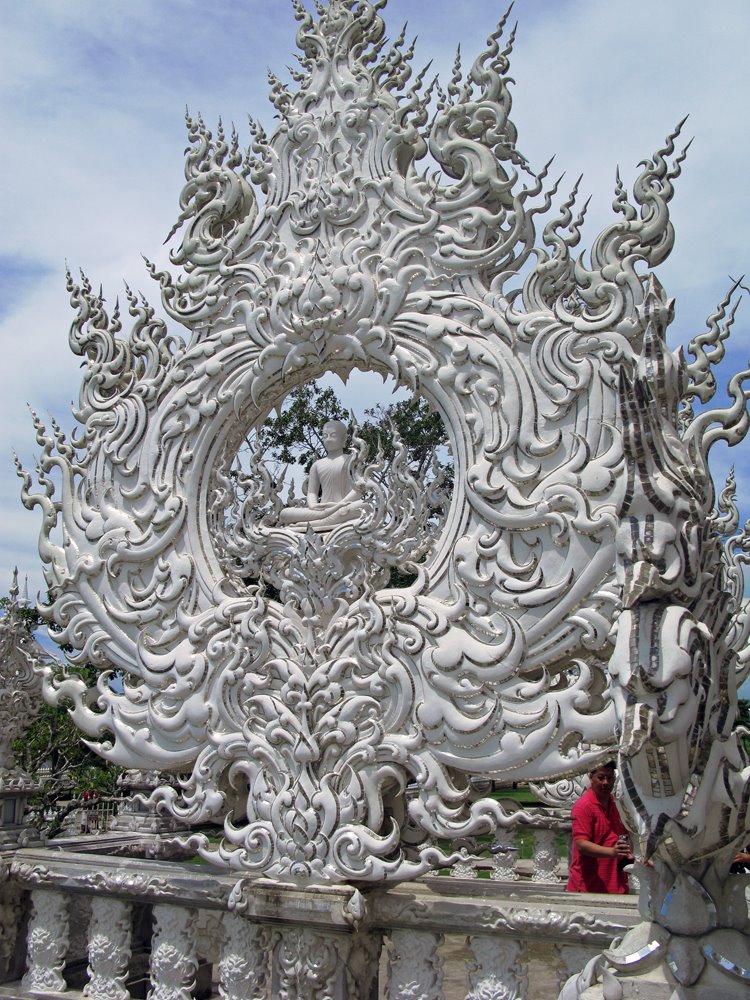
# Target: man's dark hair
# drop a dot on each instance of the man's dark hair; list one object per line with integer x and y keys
{"x": 607, "y": 765}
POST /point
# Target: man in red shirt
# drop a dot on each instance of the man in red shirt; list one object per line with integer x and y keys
{"x": 600, "y": 842}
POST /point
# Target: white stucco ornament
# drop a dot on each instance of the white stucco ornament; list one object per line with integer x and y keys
{"x": 300, "y": 717}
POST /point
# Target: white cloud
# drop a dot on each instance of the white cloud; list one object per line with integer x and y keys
{"x": 93, "y": 96}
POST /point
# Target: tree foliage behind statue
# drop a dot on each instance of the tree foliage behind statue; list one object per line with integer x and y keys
{"x": 295, "y": 436}
{"x": 53, "y": 752}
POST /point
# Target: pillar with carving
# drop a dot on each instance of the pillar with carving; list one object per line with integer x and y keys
{"x": 415, "y": 966}
{"x": 243, "y": 969}
{"x": 308, "y": 962}
{"x": 109, "y": 949}
{"x": 546, "y": 856}
{"x": 499, "y": 970}
{"x": 47, "y": 943}
{"x": 173, "y": 953}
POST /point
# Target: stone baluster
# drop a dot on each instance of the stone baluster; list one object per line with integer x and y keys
{"x": 546, "y": 856}
{"x": 499, "y": 970}
{"x": 504, "y": 861}
{"x": 79, "y": 921}
{"x": 464, "y": 868}
{"x": 110, "y": 933}
{"x": 310, "y": 963}
{"x": 173, "y": 953}
{"x": 47, "y": 943}
{"x": 243, "y": 969}
{"x": 363, "y": 966}
{"x": 415, "y": 967}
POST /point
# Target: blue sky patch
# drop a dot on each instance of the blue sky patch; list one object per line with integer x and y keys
{"x": 17, "y": 278}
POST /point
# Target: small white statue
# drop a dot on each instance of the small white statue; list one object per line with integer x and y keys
{"x": 331, "y": 496}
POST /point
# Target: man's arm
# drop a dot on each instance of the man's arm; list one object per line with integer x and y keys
{"x": 591, "y": 850}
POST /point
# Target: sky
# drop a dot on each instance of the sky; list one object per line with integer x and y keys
{"x": 92, "y": 99}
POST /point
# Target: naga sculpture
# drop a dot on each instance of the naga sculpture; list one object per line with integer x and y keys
{"x": 582, "y": 586}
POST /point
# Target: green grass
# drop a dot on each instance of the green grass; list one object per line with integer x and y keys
{"x": 523, "y": 796}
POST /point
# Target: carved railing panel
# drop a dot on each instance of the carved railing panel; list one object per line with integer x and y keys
{"x": 308, "y": 962}
{"x": 499, "y": 971}
{"x": 267, "y": 941}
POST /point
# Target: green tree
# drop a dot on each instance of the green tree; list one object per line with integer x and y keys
{"x": 295, "y": 435}
{"x": 419, "y": 427}
{"x": 743, "y": 719}
{"x": 53, "y": 752}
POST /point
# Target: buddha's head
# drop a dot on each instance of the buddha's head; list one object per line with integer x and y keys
{"x": 334, "y": 437}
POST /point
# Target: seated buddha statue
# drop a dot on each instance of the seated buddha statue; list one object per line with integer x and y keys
{"x": 331, "y": 496}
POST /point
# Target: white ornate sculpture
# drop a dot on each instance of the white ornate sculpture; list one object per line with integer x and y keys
{"x": 306, "y": 716}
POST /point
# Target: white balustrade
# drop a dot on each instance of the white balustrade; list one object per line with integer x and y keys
{"x": 264, "y": 941}
{"x": 543, "y": 866}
